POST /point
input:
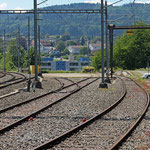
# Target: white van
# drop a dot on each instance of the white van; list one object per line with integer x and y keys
{"x": 146, "y": 76}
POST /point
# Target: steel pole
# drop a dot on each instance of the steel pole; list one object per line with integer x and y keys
{"x": 35, "y": 39}
{"x": 39, "y": 48}
{"x": 18, "y": 44}
{"x": 103, "y": 84}
{"x": 4, "y": 49}
{"x": 102, "y": 39}
{"x": 111, "y": 28}
{"x": 28, "y": 45}
{"x": 106, "y": 41}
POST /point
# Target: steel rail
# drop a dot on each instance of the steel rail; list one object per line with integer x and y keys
{"x": 9, "y": 80}
{"x": 77, "y": 82}
{"x": 3, "y": 74}
{"x": 81, "y": 126}
{"x": 135, "y": 124}
{"x": 35, "y": 98}
{"x": 23, "y": 79}
{"x": 20, "y": 121}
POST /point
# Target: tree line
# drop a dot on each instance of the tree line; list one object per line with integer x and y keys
{"x": 77, "y": 24}
{"x": 130, "y": 51}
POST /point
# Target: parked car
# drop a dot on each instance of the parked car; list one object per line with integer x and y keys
{"x": 146, "y": 76}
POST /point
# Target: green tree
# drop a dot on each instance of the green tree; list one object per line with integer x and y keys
{"x": 96, "y": 60}
{"x": 12, "y": 48}
{"x": 95, "y": 40}
{"x": 65, "y": 37}
{"x": 82, "y": 41}
{"x": 60, "y": 46}
{"x": 8, "y": 62}
{"x": 65, "y": 52}
{"x": 84, "y": 50}
{"x": 1, "y": 46}
{"x": 132, "y": 51}
{"x": 71, "y": 43}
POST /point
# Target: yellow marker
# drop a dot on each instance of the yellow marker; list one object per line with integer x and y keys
{"x": 129, "y": 32}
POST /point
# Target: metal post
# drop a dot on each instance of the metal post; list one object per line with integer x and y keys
{"x": 28, "y": 45}
{"x": 35, "y": 39}
{"x": 103, "y": 84}
{"x": 4, "y": 49}
{"x": 39, "y": 49}
{"x": 111, "y": 27}
{"x": 36, "y": 82}
{"x": 107, "y": 50}
{"x": 18, "y": 45}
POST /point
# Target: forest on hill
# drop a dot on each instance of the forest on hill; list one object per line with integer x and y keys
{"x": 77, "y": 24}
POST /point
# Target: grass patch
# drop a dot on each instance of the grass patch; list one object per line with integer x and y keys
{"x": 60, "y": 71}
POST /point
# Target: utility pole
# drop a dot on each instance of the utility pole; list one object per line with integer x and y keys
{"x": 28, "y": 45}
{"x": 107, "y": 50}
{"x": 39, "y": 37}
{"x": 4, "y": 49}
{"x": 37, "y": 84}
{"x": 102, "y": 84}
{"x": 35, "y": 39}
{"x": 111, "y": 28}
{"x": 18, "y": 46}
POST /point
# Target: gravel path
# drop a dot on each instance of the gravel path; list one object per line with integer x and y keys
{"x": 104, "y": 132}
{"x": 61, "y": 117}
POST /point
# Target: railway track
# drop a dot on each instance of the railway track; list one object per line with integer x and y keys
{"x": 35, "y": 127}
{"x": 13, "y": 82}
{"x": 2, "y": 74}
{"x": 13, "y": 79}
{"x": 69, "y": 92}
{"x": 108, "y": 129}
{"x": 57, "y": 94}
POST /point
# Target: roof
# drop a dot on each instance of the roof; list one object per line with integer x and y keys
{"x": 76, "y": 46}
{"x": 43, "y": 42}
{"x": 96, "y": 45}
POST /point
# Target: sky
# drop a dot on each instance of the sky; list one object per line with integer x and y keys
{"x": 28, "y": 4}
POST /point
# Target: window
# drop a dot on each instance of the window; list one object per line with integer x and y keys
{"x": 72, "y": 69}
{"x": 84, "y": 64}
{"x": 73, "y": 64}
{"x": 46, "y": 64}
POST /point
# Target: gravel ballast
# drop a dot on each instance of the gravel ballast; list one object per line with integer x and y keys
{"x": 63, "y": 116}
{"x": 104, "y": 132}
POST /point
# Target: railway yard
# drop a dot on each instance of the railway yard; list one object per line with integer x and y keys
{"x": 73, "y": 113}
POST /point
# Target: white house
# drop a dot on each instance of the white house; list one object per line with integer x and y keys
{"x": 74, "y": 49}
{"x": 94, "y": 47}
{"x": 45, "y": 46}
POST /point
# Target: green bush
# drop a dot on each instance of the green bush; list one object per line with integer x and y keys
{"x": 88, "y": 69}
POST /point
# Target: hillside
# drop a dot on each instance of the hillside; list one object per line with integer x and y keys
{"x": 77, "y": 24}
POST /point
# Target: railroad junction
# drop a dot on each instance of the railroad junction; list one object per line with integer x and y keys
{"x": 72, "y": 112}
